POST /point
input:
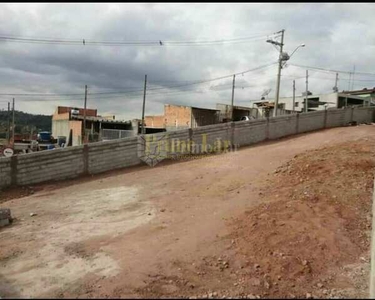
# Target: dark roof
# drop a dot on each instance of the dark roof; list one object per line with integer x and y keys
{"x": 100, "y": 119}
{"x": 192, "y": 107}
{"x": 205, "y": 108}
{"x": 360, "y": 92}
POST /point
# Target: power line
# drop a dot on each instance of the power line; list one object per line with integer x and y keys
{"x": 134, "y": 91}
{"x": 88, "y": 42}
{"x": 331, "y": 71}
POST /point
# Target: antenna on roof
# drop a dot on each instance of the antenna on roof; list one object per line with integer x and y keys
{"x": 265, "y": 93}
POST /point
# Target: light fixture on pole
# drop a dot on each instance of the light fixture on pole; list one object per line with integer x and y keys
{"x": 294, "y": 51}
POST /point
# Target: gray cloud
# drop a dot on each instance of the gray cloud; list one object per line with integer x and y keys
{"x": 337, "y": 36}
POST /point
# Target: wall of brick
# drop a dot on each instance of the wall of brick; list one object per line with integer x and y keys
{"x": 99, "y": 157}
{"x": 155, "y": 121}
{"x": 177, "y": 117}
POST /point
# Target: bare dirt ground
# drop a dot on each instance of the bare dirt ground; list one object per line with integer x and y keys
{"x": 288, "y": 218}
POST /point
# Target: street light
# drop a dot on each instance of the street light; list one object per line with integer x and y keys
{"x": 300, "y": 46}
{"x": 289, "y": 57}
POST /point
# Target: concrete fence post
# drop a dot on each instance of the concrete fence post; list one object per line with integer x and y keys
{"x": 297, "y": 123}
{"x": 232, "y": 127}
{"x": 140, "y": 146}
{"x": 325, "y": 119}
{"x": 13, "y": 169}
{"x": 190, "y": 132}
{"x": 85, "y": 154}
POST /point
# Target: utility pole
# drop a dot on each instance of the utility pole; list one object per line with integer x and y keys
{"x": 143, "y": 107}
{"x": 353, "y": 77}
{"x": 294, "y": 95}
{"x": 335, "y": 88}
{"x": 84, "y": 116}
{"x": 8, "y": 131}
{"x": 13, "y": 131}
{"x": 307, "y": 90}
{"x": 233, "y": 86}
{"x": 279, "y": 74}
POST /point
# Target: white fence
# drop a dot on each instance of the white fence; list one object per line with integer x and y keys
{"x": 113, "y": 134}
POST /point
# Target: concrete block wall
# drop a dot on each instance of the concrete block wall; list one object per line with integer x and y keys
{"x": 5, "y": 172}
{"x": 362, "y": 114}
{"x": 209, "y": 135}
{"x": 250, "y": 132}
{"x": 282, "y": 126}
{"x": 110, "y": 155}
{"x": 176, "y": 141}
{"x": 336, "y": 117}
{"x": 46, "y": 165}
{"x": 104, "y": 156}
{"x": 310, "y": 121}
{"x": 164, "y": 144}
{"x": 348, "y": 115}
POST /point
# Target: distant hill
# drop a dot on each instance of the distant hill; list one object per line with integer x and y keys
{"x": 25, "y": 123}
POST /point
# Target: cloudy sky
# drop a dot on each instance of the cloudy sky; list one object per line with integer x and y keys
{"x": 337, "y": 36}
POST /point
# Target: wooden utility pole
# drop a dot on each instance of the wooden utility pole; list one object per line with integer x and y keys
{"x": 8, "y": 131}
{"x": 233, "y": 87}
{"x": 84, "y": 117}
{"x": 143, "y": 107}
{"x": 294, "y": 95}
{"x": 13, "y": 131}
{"x": 307, "y": 91}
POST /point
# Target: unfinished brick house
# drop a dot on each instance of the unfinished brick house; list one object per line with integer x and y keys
{"x": 181, "y": 117}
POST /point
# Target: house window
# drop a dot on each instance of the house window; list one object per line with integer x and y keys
{"x": 296, "y": 104}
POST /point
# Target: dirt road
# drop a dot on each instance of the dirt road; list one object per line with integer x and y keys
{"x": 184, "y": 229}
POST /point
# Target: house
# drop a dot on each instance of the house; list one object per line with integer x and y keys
{"x": 367, "y": 94}
{"x": 315, "y": 102}
{"x": 266, "y": 108}
{"x": 181, "y": 117}
{"x": 321, "y": 102}
{"x": 68, "y": 122}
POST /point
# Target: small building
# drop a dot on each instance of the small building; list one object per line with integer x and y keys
{"x": 315, "y": 102}
{"x": 181, "y": 117}
{"x": 265, "y": 109}
{"x": 367, "y": 94}
{"x": 68, "y": 122}
{"x": 321, "y": 102}
{"x": 238, "y": 112}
